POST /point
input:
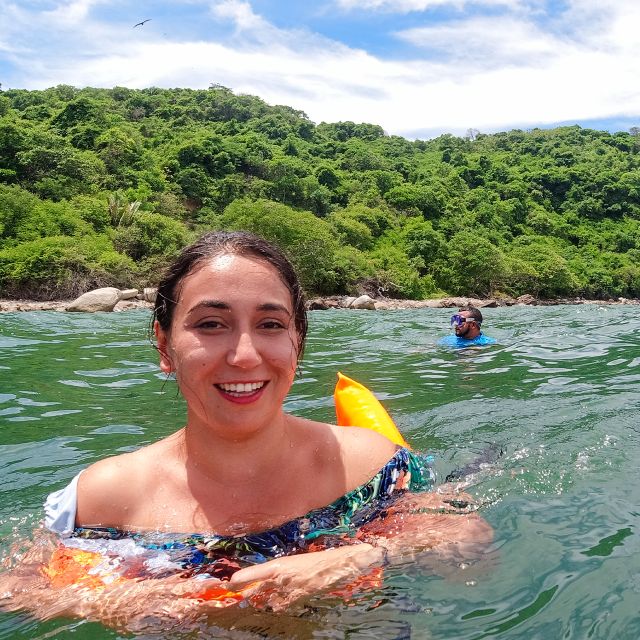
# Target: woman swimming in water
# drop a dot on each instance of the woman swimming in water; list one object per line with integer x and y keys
{"x": 273, "y": 506}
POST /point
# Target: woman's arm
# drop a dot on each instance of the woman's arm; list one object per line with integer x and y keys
{"x": 425, "y": 527}
{"x": 126, "y": 606}
{"x": 278, "y": 583}
{"x": 444, "y": 524}
{"x": 419, "y": 523}
{"x": 130, "y": 604}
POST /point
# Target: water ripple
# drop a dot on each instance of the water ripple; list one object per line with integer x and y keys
{"x": 560, "y": 393}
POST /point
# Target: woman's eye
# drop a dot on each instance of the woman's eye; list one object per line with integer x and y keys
{"x": 209, "y": 324}
{"x": 272, "y": 324}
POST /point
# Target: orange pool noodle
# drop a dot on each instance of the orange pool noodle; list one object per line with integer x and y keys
{"x": 356, "y": 406}
{"x": 219, "y": 594}
{"x": 69, "y": 566}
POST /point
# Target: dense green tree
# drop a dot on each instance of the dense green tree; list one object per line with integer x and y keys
{"x": 344, "y": 131}
{"x": 398, "y": 275}
{"x": 377, "y": 219}
{"x": 59, "y": 266}
{"x": 418, "y": 198}
{"x": 359, "y": 156}
{"x": 423, "y": 241}
{"x": 150, "y": 234}
{"x": 554, "y": 212}
{"x": 309, "y": 241}
{"x": 472, "y": 265}
{"x": 16, "y": 205}
{"x": 94, "y": 210}
{"x": 351, "y": 231}
{"x": 78, "y": 112}
{"x": 545, "y": 271}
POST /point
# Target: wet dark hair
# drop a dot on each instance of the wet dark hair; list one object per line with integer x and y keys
{"x": 474, "y": 313}
{"x": 233, "y": 243}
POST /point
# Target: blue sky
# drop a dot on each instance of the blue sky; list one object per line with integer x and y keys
{"x": 418, "y": 68}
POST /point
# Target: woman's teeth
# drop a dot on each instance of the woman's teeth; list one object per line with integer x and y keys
{"x": 241, "y": 387}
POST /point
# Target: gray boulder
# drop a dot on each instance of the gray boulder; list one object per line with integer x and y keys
{"x": 317, "y": 304}
{"x": 128, "y": 294}
{"x": 363, "y": 302}
{"x": 104, "y": 299}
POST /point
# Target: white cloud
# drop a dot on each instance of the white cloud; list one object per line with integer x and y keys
{"x": 605, "y": 24}
{"x": 499, "y": 74}
{"x": 14, "y": 21}
{"x": 241, "y": 14}
{"x": 351, "y": 85}
{"x": 70, "y": 13}
{"x": 487, "y": 42}
{"x": 407, "y": 6}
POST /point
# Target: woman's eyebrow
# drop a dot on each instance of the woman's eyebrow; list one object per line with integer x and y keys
{"x": 273, "y": 306}
{"x": 225, "y": 306}
{"x": 210, "y": 304}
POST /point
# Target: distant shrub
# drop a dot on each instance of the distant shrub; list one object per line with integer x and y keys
{"x": 398, "y": 275}
{"x": 308, "y": 240}
{"x": 536, "y": 262}
{"x": 150, "y": 234}
{"x": 61, "y": 267}
{"x": 351, "y": 231}
{"x": 471, "y": 266}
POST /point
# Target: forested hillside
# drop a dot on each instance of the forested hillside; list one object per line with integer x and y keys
{"x": 99, "y": 186}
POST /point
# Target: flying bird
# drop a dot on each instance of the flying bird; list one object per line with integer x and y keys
{"x": 139, "y": 24}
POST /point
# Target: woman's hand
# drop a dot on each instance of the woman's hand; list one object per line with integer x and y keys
{"x": 442, "y": 501}
{"x": 440, "y": 523}
{"x": 278, "y": 583}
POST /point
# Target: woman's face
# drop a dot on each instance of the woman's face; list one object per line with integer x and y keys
{"x": 232, "y": 344}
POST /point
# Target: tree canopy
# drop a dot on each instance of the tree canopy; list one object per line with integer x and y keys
{"x": 101, "y": 186}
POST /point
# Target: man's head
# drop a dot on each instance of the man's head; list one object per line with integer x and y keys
{"x": 466, "y": 322}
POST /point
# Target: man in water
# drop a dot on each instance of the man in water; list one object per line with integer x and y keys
{"x": 466, "y": 324}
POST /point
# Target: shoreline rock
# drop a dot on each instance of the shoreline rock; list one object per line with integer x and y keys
{"x": 143, "y": 301}
{"x": 384, "y": 304}
{"x": 10, "y": 306}
{"x": 106, "y": 299}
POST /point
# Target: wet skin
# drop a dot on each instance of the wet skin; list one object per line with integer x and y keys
{"x": 232, "y": 345}
{"x": 467, "y": 330}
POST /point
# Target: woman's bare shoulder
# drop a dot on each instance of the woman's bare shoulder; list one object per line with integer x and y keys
{"x": 350, "y": 441}
{"x": 110, "y": 490}
{"x": 108, "y": 473}
{"x": 362, "y": 452}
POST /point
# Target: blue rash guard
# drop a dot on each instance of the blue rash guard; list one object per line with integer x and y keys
{"x": 456, "y": 342}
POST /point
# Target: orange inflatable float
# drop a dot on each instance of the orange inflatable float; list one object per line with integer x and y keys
{"x": 355, "y": 406}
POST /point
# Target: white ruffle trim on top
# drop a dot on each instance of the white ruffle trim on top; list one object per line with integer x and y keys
{"x": 60, "y": 508}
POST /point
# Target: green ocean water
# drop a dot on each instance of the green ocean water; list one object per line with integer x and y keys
{"x": 560, "y": 392}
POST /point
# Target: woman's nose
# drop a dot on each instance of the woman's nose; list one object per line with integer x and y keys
{"x": 244, "y": 353}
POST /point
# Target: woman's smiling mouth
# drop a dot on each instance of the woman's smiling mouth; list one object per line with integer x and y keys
{"x": 242, "y": 391}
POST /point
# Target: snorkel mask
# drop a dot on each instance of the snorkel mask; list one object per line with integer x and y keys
{"x": 457, "y": 320}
